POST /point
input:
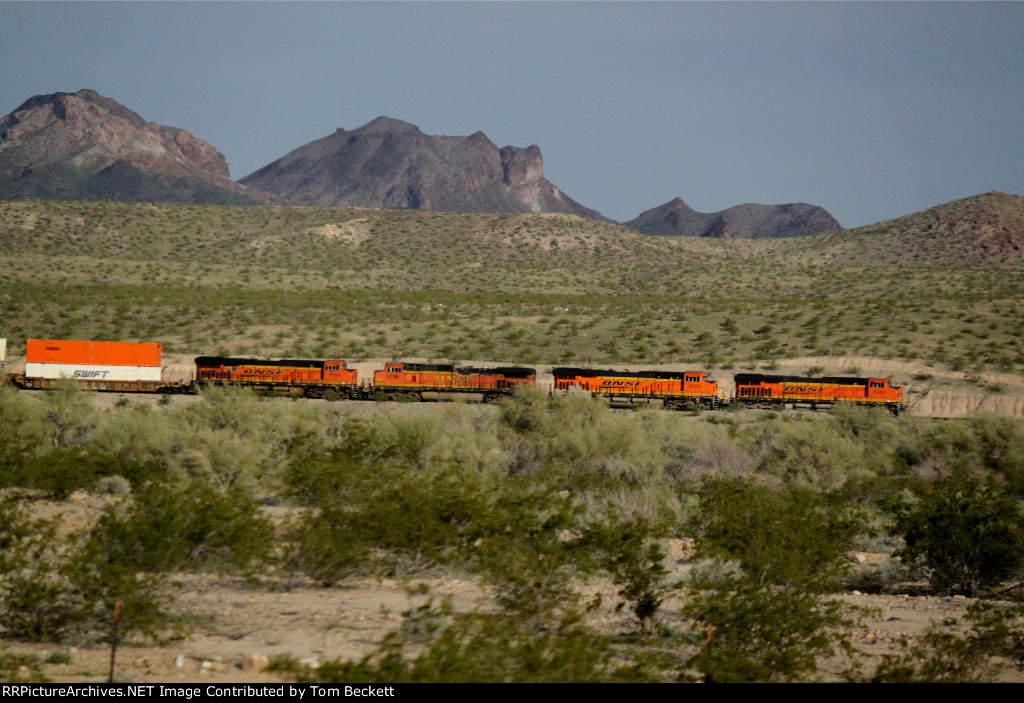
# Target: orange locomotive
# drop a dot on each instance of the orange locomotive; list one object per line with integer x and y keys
{"x": 799, "y": 391}
{"x": 446, "y": 382}
{"x": 686, "y": 389}
{"x": 312, "y": 378}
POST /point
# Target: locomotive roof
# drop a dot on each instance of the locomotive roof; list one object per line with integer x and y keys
{"x": 764, "y": 378}
{"x": 245, "y": 361}
{"x": 416, "y": 366}
{"x": 510, "y": 371}
{"x": 566, "y": 371}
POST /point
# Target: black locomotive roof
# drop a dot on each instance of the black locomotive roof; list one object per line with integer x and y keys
{"x": 244, "y": 361}
{"x": 746, "y": 378}
{"x": 510, "y": 371}
{"x": 592, "y": 373}
{"x": 416, "y": 366}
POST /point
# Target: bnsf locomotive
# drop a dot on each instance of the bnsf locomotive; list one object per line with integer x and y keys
{"x": 312, "y": 378}
{"x": 688, "y": 389}
{"x": 757, "y": 390}
{"x": 128, "y": 367}
{"x": 446, "y": 382}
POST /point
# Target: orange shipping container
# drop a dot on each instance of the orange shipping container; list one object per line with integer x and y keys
{"x": 62, "y": 351}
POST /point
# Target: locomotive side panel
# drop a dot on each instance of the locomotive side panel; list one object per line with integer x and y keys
{"x": 674, "y": 389}
{"x": 414, "y": 379}
{"x": 766, "y": 390}
{"x": 312, "y": 377}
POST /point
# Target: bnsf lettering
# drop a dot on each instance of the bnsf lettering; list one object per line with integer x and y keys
{"x": 801, "y": 389}
{"x": 620, "y": 384}
{"x": 91, "y": 374}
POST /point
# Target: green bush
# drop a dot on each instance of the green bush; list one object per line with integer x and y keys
{"x": 627, "y": 549}
{"x": 756, "y": 633}
{"x": 37, "y": 602}
{"x": 60, "y": 472}
{"x": 968, "y": 532}
{"x": 788, "y": 536}
{"x": 812, "y": 453}
{"x": 163, "y": 529}
{"x": 54, "y": 588}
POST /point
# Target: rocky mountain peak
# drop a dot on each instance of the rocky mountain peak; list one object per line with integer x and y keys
{"x": 392, "y": 164}
{"x": 522, "y": 167}
{"x": 85, "y": 146}
{"x": 386, "y": 125}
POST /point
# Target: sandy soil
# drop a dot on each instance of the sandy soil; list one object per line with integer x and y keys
{"x": 237, "y": 627}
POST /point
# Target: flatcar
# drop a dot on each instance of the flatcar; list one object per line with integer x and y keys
{"x": 401, "y": 379}
{"x": 759, "y": 390}
{"x": 116, "y": 367}
{"x": 677, "y": 390}
{"x": 311, "y": 378}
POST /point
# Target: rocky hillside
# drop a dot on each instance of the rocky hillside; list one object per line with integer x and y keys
{"x": 983, "y": 231}
{"x": 388, "y": 163}
{"x": 749, "y": 221}
{"x": 83, "y": 146}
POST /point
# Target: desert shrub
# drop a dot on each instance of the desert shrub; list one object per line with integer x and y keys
{"x": 52, "y": 588}
{"x": 484, "y": 648}
{"x": 1001, "y": 447}
{"x": 397, "y": 520}
{"x": 325, "y": 547}
{"x": 21, "y": 429}
{"x": 627, "y": 548}
{"x": 789, "y": 536}
{"x": 20, "y": 668}
{"x": 113, "y": 485}
{"x": 60, "y": 472}
{"x": 36, "y": 601}
{"x": 526, "y": 412}
{"x": 756, "y": 633}
{"x": 968, "y": 532}
{"x": 574, "y": 442}
{"x": 70, "y": 411}
{"x": 811, "y": 453}
{"x": 317, "y": 476}
{"x": 164, "y": 529}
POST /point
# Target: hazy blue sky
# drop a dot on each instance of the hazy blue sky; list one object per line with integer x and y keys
{"x": 871, "y": 110}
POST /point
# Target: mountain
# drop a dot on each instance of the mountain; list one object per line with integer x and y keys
{"x": 982, "y": 231}
{"x": 388, "y": 163}
{"x": 749, "y": 221}
{"x": 83, "y": 146}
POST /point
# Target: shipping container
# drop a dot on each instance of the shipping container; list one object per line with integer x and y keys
{"x": 92, "y": 372}
{"x": 62, "y": 351}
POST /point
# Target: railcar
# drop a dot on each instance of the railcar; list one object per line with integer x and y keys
{"x": 676, "y": 390}
{"x": 760, "y": 390}
{"x": 401, "y": 379}
{"x": 311, "y": 378}
{"x": 122, "y": 367}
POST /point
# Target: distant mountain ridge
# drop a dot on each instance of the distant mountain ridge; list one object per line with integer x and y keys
{"x": 748, "y": 221}
{"x": 83, "y": 146}
{"x": 982, "y": 231}
{"x": 389, "y": 163}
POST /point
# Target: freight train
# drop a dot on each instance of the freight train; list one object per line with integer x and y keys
{"x": 136, "y": 367}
